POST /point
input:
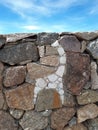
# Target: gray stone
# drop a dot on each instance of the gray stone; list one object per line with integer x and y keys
{"x": 7, "y": 122}
{"x": 19, "y": 54}
{"x": 33, "y": 121}
{"x": 73, "y": 121}
{"x": 47, "y": 38}
{"x": 48, "y": 99}
{"x": 51, "y": 51}
{"x": 93, "y": 48}
{"x": 2, "y": 101}
{"x": 87, "y": 97}
{"x": 83, "y": 46}
{"x": 1, "y": 74}
{"x": 2, "y": 40}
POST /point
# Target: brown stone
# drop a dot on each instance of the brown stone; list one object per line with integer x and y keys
{"x": 77, "y": 72}
{"x": 7, "y": 122}
{"x": 76, "y": 127}
{"x": 89, "y": 111}
{"x": 60, "y": 117}
{"x": 1, "y": 71}
{"x": 2, "y": 101}
{"x": 20, "y": 97}
{"x": 87, "y": 96}
{"x": 33, "y": 121}
{"x": 38, "y": 71}
{"x": 70, "y": 43}
{"x": 14, "y": 76}
{"x": 48, "y": 99}
{"x": 50, "y": 60}
{"x": 51, "y": 51}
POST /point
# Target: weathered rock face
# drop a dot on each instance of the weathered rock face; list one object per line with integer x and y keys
{"x": 2, "y": 40}
{"x": 19, "y": 54}
{"x": 1, "y": 76}
{"x": 33, "y": 121}
{"x": 20, "y": 97}
{"x": 60, "y": 117}
{"x": 70, "y": 43}
{"x": 14, "y": 76}
{"x": 17, "y": 114}
{"x": 89, "y": 111}
{"x": 48, "y": 99}
{"x": 50, "y": 51}
{"x": 87, "y": 96}
{"x": 2, "y": 101}
{"x": 78, "y": 72}
{"x": 7, "y": 122}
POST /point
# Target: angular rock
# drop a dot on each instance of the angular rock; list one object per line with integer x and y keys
{"x": 14, "y": 76}
{"x": 2, "y": 101}
{"x": 76, "y": 127}
{"x": 2, "y": 40}
{"x": 73, "y": 121}
{"x": 50, "y": 60}
{"x": 19, "y": 54}
{"x": 17, "y": 114}
{"x": 7, "y": 122}
{"x": 69, "y": 100}
{"x": 1, "y": 74}
{"x": 93, "y": 48}
{"x": 33, "y": 121}
{"x": 94, "y": 75}
{"x": 60, "y": 117}
{"x": 46, "y": 38}
{"x": 83, "y": 46}
{"x": 86, "y": 35}
{"x": 77, "y": 72}
{"x": 21, "y": 97}
{"x": 87, "y": 96}
{"x": 51, "y": 51}
{"x": 48, "y": 99}
{"x": 70, "y": 43}
{"x": 41, "y": 51}
{"x": 38, "y": 71}
{"x": 89, "y": 111}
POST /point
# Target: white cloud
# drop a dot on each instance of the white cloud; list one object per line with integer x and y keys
{"x": 31, "y": 27}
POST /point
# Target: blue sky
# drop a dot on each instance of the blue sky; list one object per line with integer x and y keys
{"x": 18, "y": 16}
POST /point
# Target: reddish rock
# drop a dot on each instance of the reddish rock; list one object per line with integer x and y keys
{"x": 7, "y": 122}
{"x": 48, "y": 99}
{"x": 77, "y": 72}
{"x": 14, "y": 76}
{"x": 21, "y": 97}
{"x": 60, "y": 117}
{"x": 70, "y": 43}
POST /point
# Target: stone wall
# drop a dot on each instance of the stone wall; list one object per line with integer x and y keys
{"x": 49, "y": 81}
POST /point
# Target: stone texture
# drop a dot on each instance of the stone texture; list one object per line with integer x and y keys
{"x": 48, "y": 99}
{"x": 61, "y": 51}
{"x": 60, "y": 71}
{"x": 76, "y": 127}
{"x": 20, "y": 97}
{"x": 77, "y": 72}
{"x": 87, "y": 96}
{"x": 50, "y": 51}
{"x": 50, "y": 60}
{"x": 60, "y": 117}
{"x": 38, "y": 71}
{"x": 7, "y": 122}
{"x": 41, "y": 50}
{"x": 33, "y": 121}
{"x": 87, "y": 35}
{"x": 14, "y": 76}
{"x": 17, "y": 114}
{"x": 70, "y": 43}
{"x": 2, "y": 101}
{"x": 93, "y": 48}
{"x": 2, "y": 40}
{"x": 89, "y": 111}
{"x": 41, "y": 83}
{"x": 19, "y": 54}
{"x": 83, "y": 46}
{"x": 1, "y": 72}
{"x": 73, "y": 121}
{"x": 68, "y": 100}
{"x": 94, "y": 75}
{"x": 46, "y": 38}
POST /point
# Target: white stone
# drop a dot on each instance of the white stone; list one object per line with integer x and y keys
{"x": 62, "y": 60}
{"x": 55, "y": 44}
{"x": 62, "y": 98}
{"x": 60, "y": 79}
{"x": 41, "y": 83}
{"x": 36, "y": 90}
{"x": 61, "y": 91}
{"x": 61, "y": 51}
{"x": 60, "y": 70}
{"x": 41, "y": 51}
{"x": 52, "y": 85}
{"x": 52, "y": 78}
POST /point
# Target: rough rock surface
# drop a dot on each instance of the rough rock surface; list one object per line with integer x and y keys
{"x": 87, "y": 96}
{"x": 2, "y": 40}
{"x": 19, "y": 54}
{"x": 60, "y": 117}
{"x": 17, "y": 114}
{"x": 48, "y": 99}
{"x": 2, "y": 101}
{"x": 20, "y": 97}
{"x": 50, "y": 51}
{"x": 14, "y": 76}
{"x": 7, "y": 122}
{"x": 33, "y": 121}
{"x": 89, "y": 111}
{"x": 1, "y": 71}
{"x": 77, "y": 73}
{"x": 70, "y": 43}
